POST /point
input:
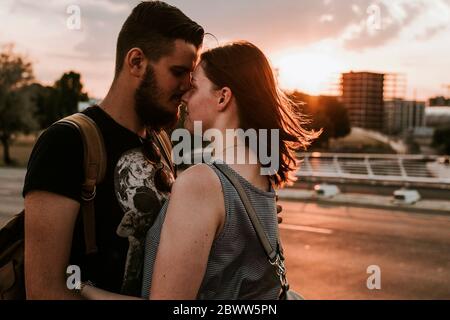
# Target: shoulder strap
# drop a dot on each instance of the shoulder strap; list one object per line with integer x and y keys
{"x": 275, "y": 256}
{"x": 166, "y": 144}
{"x": 94, "y": 171}
{"x": 271, "y": 253}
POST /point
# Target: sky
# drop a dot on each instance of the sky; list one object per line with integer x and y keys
{"x": 309, "y": 42}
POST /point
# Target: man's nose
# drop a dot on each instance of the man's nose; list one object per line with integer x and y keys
{"x": 185, "y": 84}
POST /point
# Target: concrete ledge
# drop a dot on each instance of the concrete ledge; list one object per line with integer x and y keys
{"x": 367, "y": 201}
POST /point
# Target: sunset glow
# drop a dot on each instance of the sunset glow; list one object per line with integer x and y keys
{"x": 308, "y": 42}
{"x": 308, "y": 71}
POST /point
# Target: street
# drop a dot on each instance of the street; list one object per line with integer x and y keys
{"x": 330, "y": 262}
{"x": 329, "y": 248}
{"x": 11, "y": 183}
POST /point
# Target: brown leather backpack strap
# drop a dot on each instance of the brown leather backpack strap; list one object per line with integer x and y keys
{"x": 166, "y": 144}
{"x": 94, "y": 172}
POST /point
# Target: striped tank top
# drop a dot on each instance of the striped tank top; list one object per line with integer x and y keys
{"x": 237, "y": 266}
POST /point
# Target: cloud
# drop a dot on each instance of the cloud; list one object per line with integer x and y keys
{"x": 392, "y": 19}
{"x": 273, "y": 24}
{"x": 40, "y": 28}
{"x": 269, "y": 24}
{"x": 431, "y": 32}
{"x": 412, "y": 19}
{"x": 101, "y": 25}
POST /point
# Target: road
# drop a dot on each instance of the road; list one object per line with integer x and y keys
{"x": 11, "y": 202}
{"x": 329, "y": 248}
{"x": 329, "y": 258}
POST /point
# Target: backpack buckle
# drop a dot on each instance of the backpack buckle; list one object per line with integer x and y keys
{"x": 89, "y": 197}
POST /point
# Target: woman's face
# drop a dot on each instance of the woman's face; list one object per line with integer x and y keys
{"x": 200, "y": 101}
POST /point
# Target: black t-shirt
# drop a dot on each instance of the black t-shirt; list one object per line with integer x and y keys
{"x": 125, "y": 205}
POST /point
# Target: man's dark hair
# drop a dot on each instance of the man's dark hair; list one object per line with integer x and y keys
{"x": 153, "y": 26}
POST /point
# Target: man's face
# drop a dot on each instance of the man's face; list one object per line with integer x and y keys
{"x": 158, "y": 97}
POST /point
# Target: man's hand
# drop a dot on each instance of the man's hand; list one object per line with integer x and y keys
{"x": 279, "y": 209}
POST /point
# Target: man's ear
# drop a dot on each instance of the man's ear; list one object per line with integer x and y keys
{"x": 224, "y": 98}
{"x": 136, "y": 62}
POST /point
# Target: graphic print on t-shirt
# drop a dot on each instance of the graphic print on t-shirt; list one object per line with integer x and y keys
{"x": 141, "y": 202}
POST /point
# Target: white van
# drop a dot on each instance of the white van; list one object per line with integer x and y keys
{"x": 326, "y": 190}
{"x": 404, "y": 196}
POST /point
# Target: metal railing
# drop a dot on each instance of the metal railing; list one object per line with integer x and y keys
{"x": 375, "y": 167}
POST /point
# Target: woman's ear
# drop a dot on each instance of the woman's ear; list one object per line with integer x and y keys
{"x": 224, "y": 98}
{"x": 136, "y": 62}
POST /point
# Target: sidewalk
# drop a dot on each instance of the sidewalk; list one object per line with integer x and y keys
{"x": 367, "y": 201}
{"x": 11, "y": 201}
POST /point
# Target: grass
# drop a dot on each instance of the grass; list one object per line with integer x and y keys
{"x": 19, "y": 151}
{"x": 355, "y": 143}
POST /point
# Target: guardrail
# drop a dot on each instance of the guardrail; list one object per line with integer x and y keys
{"x": 375, "y": 167}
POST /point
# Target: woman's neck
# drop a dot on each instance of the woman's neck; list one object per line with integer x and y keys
{"x": 236, "y": 153}
{"x": 240, "y": 156}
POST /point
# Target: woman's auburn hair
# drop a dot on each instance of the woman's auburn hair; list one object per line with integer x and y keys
{"x": 244, "y": 68}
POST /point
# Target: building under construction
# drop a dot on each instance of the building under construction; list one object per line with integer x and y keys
{"x": 364, "y": 93}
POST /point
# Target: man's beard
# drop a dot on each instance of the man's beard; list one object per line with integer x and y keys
{"x": 150, "y": 112}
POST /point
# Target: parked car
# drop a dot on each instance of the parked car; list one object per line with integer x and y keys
{"x": 405, "y": 196}
{"x": 326, "y": 190}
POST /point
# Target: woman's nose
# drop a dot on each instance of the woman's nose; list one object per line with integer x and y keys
{"x": 185, "y": 97}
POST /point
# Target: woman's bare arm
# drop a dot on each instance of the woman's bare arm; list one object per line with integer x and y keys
{"x": 93, "y": 293}
{"x": 194, "y": 216}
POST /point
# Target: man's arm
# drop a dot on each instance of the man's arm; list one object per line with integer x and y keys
{"x": 49, "y": 224}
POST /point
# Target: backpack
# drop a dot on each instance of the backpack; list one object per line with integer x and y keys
{"x": 12, "y": 280}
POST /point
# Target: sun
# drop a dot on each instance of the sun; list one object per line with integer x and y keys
{"x": 309, "y": 71}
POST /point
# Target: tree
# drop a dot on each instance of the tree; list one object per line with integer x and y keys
{"x": 43, "y": 98}
{"x": 58, "y": 101}
{"x": 69, "y": 91}
{"x": 325, "y": 112}
{"x": 16, "y": 111}
{"x": 441, "y": 139}
{"x": 63, "y": 100}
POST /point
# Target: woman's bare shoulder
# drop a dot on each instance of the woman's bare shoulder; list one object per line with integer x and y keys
{"x": 198, "y": 178}
{"x": 199, "y": 189}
